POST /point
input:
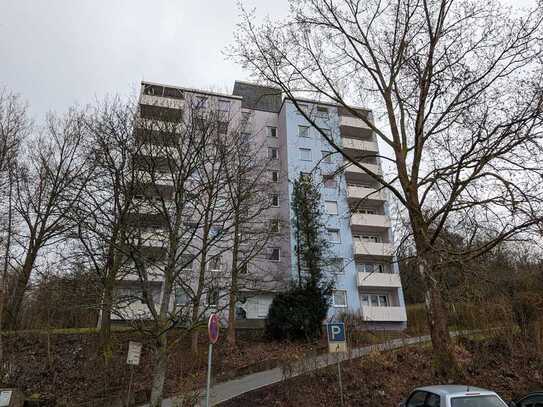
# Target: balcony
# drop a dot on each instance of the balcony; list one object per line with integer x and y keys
{"x": 379, "y": 279}
{"x": 362, "y": 248}
{"x": 351, "y": 121}
{"x": 351, "y": 169}
{"x": 356, "y": 192}
{"x": 360, "y": 145}
{"x": 384, "y": 314}
{"x": 161, "y": 101}
{"x": 373, "y": 221}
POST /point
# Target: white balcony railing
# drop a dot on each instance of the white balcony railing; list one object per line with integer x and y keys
{"x": 357, "y": 192}
{"x": 161, "y": 101}
{"x": 352, "y": 122}
{"x": 379, "y": 279}
{"x": 354, "y": 144}
{"x": 363, "y": 248}
{"x": 384, "y": 314}
{"x": 363, "y": 219}
{"x": 351, "y": 168}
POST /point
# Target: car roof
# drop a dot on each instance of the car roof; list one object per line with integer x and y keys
{"x": 455, "y": 390}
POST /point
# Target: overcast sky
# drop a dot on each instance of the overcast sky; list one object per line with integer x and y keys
{"x": 59, "y": 52}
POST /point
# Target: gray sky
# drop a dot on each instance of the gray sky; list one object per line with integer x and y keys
{"x": 58, "y": 52}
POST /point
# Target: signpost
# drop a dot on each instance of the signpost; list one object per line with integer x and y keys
{"x": 132, "y": 359}
{"x": 213, "y": 333}
{"x": 337, "y": 344}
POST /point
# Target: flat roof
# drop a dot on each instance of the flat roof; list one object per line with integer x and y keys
{"x": 192, "y": 90}
{"x": 318, "y": 102}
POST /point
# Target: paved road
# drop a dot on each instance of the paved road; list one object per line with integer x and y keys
{"x": 227, "y": 390}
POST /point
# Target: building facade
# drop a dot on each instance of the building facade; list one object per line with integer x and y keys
{"x": 358, "y": 227}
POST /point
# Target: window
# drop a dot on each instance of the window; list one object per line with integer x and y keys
{"x": 329, "y": 181}
{"x": 367, "y": 238}
{"x": 366, "y": 211}
{"x": 371, "y": 267}
{"x": 245, "y": 137}
{"x": 201, "y": 102}
{"x": 274, "y": 254}
{"x": 215, "y": 231}
{"x": 322, "y": 111}
{"x": 273, "y": 153}
{"x": 275, "y": 176}
{"x": 305, "y": 154}
{"x": 181, "y": 297}
{"x": 339, "y": 298}
{"x": 272, "y": 131}
{"x": 535, "y": 400}
{"x": 213, "y": 297}
{"x": 303, "y": 131}
{"x": 417, "y": 399}
{"x": 481, "y": 401}
{"x": 215, "y": 263}
{"x": 333, "y": 236}
{"x": 224, "y": 105}
{"x": 243, "y": 268}
{"x": 336, "y": 265}
{"x": 274, "y": 200}
{"x": 331, "y": 207}
{"x": 186, "y": 262}
{"x": 326, "y": 156}
{"x": 275, "y": 225}
{"x": 222, "y": 127}
{"x": 375, "y": 300}
{"x": 304, "y": 107}
{"x": 328, "y": 134}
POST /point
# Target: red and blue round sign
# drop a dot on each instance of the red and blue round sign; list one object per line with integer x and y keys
{"x": 213, "y": 328}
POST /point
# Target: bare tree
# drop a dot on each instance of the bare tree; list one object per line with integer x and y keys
{"x": 14, "y": 126}
{"x": 247, "y": 189}
{"x": 459, "y": 87}
{"x": 48, "y": 184}
{"x": 102, "y": 214}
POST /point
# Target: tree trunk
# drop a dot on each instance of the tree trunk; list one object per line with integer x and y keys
{"x": 445, "y": 364}
{"x": 21, "y": 281}
{"x": 159, "y": 371}
{"x": 105, "y": 322}
{"x": 233, "y": 295}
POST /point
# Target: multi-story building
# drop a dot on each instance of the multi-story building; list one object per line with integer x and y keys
{"x": 366, "y": 278}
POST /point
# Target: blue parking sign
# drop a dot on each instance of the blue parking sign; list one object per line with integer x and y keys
{"x": 336, "y": 332}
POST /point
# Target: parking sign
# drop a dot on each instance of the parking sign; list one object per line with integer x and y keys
{"x": 336, "y": 337}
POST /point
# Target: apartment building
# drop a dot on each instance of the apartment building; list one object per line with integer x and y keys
{"x": 367, "y": 281}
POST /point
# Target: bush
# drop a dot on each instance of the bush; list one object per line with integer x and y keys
{"x": 298, "y": 314}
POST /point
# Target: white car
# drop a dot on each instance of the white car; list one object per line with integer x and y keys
{"x": 453, "y": 396}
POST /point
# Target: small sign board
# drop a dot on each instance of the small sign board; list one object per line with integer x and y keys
{"x": 213, "y": 328}
{"x": 5, "y": 398}
{"x": 336, "y": 337}
{"x": 134, "y": 353}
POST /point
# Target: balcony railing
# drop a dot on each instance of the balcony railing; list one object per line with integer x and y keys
{"x": 350, "y": 168}
{"x": 357, "y": 192}
{"x": 363, "y": 248}
{"x": 161, "y": 101}
{"x": 360, "y": 145}
{"x": 352, "y": 121}
{"x": 379, "y": 279}
{"x": 363, "y": 219}
{"x": 384, "y": 314}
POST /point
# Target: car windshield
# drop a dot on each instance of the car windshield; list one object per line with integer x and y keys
{"x": 477, "y": 401}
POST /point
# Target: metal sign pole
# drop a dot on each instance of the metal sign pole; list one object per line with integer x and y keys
{"x": 209, "y": 353}
{"x": 130, "y": 385}
{"x": 339, "y": 378}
